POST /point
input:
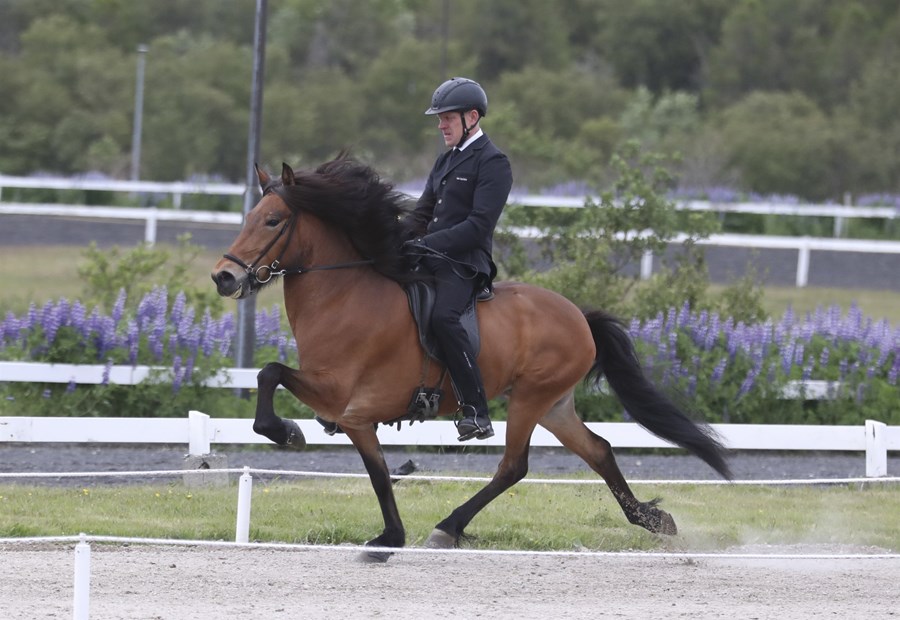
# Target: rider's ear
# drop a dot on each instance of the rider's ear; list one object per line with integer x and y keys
{"x": 287, "y": 175}
{"x": 262, "y": 175}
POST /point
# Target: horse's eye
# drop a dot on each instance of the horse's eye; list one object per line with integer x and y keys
{"x": 272, "y": 221}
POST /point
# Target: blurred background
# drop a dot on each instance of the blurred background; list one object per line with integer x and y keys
{"x": 796, "y": 98}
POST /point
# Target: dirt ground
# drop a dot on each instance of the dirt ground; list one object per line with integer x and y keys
{"x": 199, "y": 583}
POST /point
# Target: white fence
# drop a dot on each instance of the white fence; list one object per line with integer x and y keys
{"x": 151, "y": 216}
{"x": 200, "y": 431}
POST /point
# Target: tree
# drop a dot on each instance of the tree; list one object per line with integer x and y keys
{"x": 659, "y": 45}
{"x": 781, "y": 144}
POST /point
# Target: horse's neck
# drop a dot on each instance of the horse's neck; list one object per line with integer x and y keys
{"x": 349, "y": 297}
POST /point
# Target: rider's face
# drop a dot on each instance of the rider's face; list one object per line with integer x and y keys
{"x": 451, "y": 128}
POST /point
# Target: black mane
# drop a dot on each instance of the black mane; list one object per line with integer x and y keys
{"x": 352, "y": 197}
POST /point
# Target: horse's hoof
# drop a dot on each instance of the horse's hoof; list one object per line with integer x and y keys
{"x": 295, "y": 438}
{"x": 667, "y": 524}
{"x": 439, "y": 539}
{"x": 374, "y": 557}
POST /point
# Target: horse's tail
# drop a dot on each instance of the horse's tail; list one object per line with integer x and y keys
{"x": 618, "y": 362}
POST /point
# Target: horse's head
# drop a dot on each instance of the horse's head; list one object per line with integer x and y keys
{"x": 254, "y": 258}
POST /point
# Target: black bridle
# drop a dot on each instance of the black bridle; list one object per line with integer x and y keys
{"x": 264, "y": 273}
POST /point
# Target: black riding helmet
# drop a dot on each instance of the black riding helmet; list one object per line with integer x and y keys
{"x": 459, "y": 94}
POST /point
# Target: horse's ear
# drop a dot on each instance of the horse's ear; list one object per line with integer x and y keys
{"x": 262, "y": 175}
{"x": 287, "y": 175}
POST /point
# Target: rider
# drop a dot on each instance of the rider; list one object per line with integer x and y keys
{"x": 455, "y": 218}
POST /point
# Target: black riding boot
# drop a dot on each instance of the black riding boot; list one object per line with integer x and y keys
{"x": 475, "y": 423}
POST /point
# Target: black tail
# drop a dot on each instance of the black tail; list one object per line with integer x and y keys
{"x": 618, "y": 362}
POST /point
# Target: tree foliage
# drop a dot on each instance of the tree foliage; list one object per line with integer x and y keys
{"x": 569, "y": 83}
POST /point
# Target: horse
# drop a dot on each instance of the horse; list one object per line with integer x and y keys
{"x": 333, "y": 236}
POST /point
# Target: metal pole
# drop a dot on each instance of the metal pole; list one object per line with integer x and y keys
{"x": 138, "y": 114}
{"x": 246, "y": 333}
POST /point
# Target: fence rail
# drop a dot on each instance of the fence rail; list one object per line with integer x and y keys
{"x": 151, "y": 216}
{"x": 200, "y": 431}
{"x": 177, "y": 189}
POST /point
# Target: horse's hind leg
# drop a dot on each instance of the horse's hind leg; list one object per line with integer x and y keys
{"x": 565, "y": 424}
{"x": 267, "y": 423}
{"x": 512, "y": 468}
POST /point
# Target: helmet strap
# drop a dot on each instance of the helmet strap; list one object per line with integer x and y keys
{"x": 465, "y": 128}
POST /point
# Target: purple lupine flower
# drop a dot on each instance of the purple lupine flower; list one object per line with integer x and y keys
{"x": 50, "y": 321}
{"x": 177, "y": 308}
{"x": 747, "y": 383}
{"x": 787, "y": 357}
{"x": 107, "y": 368}
{"x": 177, "y": 373}
{"x": 71, "y": 386}
{"x": 719, "y": 370}
{"x": 119, "y": 306}
{"x": 133, "y": 341}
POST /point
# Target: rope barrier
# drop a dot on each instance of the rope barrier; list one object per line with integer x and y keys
{"x": 423, "y": 478}
{"x": 672, "y": 555}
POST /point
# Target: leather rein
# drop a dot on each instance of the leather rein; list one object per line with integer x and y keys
{"x": 264, "y": 273}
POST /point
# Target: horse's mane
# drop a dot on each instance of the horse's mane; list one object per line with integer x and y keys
{"x": 352, "y": 197}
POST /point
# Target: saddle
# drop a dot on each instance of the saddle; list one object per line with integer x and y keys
{"x": 421, "y": 303}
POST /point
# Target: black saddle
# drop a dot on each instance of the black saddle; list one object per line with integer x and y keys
{"x": 421, "y": 303}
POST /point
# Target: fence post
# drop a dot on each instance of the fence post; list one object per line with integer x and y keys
{"x": 647, "y": 265}
{"x": 242, "y": 528}
{"x": 803, "y": 264}
{"x": 82, "y": 597}
{"x": 198, "y": 425}
{"x": 876, "y": 449}
{"x": 150, "y": 228}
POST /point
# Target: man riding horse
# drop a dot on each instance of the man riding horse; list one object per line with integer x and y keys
{"x": 455, "y": 219}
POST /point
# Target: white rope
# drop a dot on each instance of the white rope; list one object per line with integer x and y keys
{"x": 483, "y": 479}
{"x": 681, "y": 555}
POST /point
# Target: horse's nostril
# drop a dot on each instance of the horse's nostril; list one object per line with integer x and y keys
{"x": 225, "y": 281}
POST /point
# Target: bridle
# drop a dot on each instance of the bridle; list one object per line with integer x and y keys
{"x": 264, "y": 273}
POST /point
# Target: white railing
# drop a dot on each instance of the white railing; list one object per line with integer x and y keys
{"x": 200, "y": 431}
{"x": 803, "y": 245}
{"x": 177, "y": 189}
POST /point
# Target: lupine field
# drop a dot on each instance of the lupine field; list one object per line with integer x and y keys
{"x": 722, "y": 370}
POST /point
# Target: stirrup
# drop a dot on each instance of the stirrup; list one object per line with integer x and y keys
{"x": 469, "y": 427}
{"x": 330, "y": 428}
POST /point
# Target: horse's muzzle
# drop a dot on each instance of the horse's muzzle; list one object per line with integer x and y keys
{"x": 228, "y": 285}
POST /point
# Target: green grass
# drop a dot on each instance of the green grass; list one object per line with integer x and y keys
{"x": 37, "y": 274}
{"x": 528, "y": 516}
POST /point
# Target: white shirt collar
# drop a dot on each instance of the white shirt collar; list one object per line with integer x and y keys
{"x": 471, "y": 139}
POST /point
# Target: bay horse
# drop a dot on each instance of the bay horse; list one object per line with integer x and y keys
{"x": 333, "y": 236}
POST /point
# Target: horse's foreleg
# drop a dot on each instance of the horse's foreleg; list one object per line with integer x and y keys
{"x": 366, "y": 442}
{"x": 267, "y": 423}
{"x": 565, "y": 424}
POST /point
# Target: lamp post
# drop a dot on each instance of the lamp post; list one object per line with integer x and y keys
{"x": 246, "y": 325}
{"x": 138, "y": 114}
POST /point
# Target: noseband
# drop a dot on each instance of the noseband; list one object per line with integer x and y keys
{"x": 264, "y": 273}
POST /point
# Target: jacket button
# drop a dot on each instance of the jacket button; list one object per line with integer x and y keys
{"x": 444, "y": 182}
{"x": 440, "y": 200}
{"x": 434, "y": 220}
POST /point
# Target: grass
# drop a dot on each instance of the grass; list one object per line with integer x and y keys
{"x": 37, "y": 274}
{"x": 528, "y": 516}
